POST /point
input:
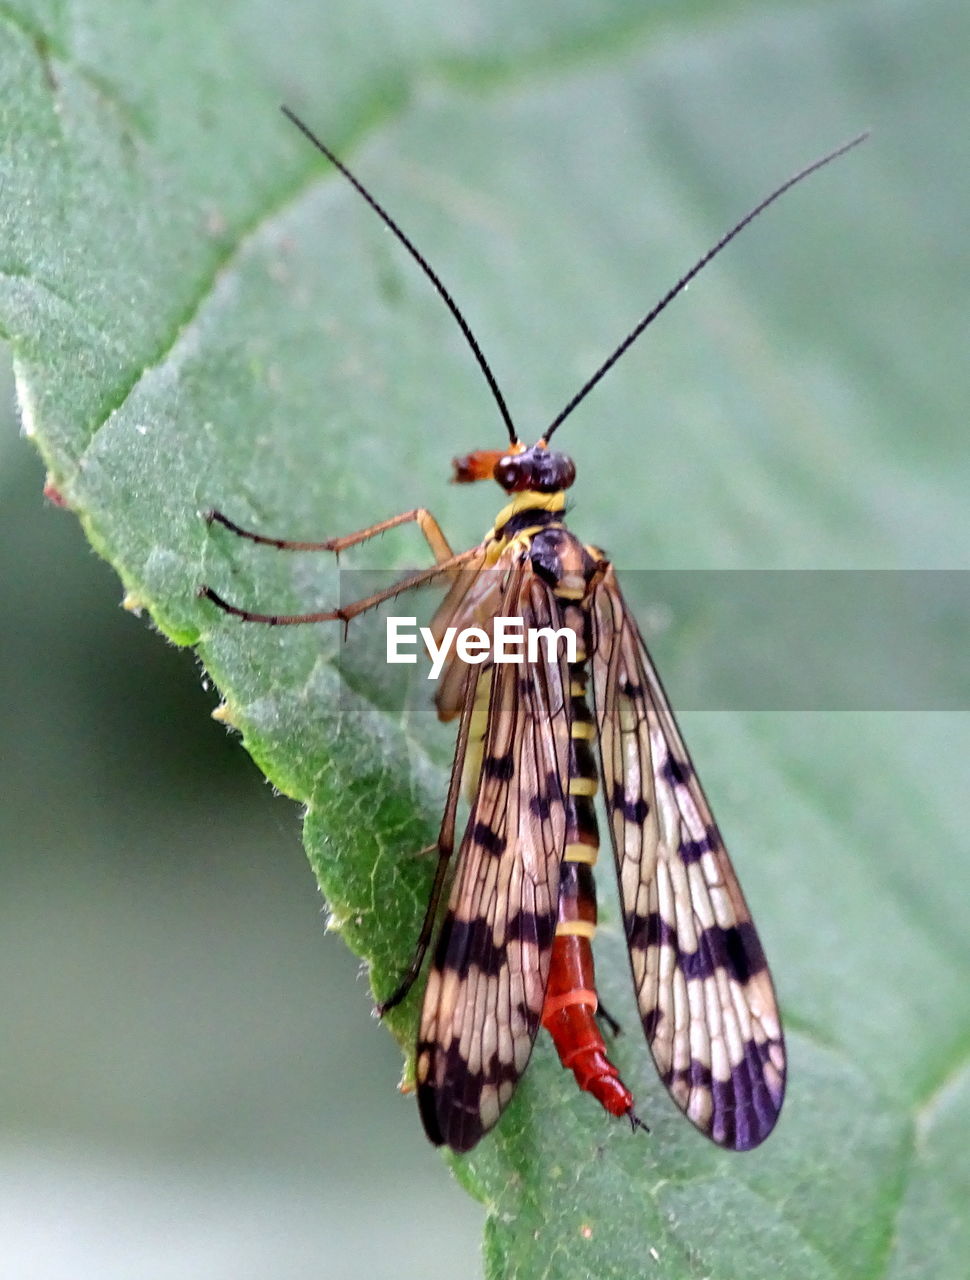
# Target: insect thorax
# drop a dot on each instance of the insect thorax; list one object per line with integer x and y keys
{"x": 532, "y": 522}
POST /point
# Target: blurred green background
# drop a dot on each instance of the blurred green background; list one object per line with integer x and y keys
{"x": 192, "y": 1083}
{"x": 184, "y": 1049}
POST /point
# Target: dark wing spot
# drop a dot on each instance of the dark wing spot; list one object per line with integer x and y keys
{"x": 651, "y": 1021}
{"x": 737, "y": 950}
{"x": 745, "y": 1107}
{"x": 635, "y": 810}
{"x": 530, "y": 1017}
{"x": 554, "y": 789}
{"x": 491, "y": 841}
{"x": 697, "y": 1075}
{"x": 499, "y": 768}
{"x": 450, "y": 1099}
{"x": 537, "y": 930}
{"x": 745, "y": 957}
{"x": 650, "y": 931}
{"x": 463, "y": 943}
{"x": 540, "y": 807}
{"x": 676, "y": 772}
{"x": 428, "y": 1109}
{"x": 694, "y": 850}
{"x": 551, "y": 794}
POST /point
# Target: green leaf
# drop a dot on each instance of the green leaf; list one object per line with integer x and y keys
{"x": 203, "y": 314}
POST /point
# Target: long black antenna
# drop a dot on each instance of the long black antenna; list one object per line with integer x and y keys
{"x": 684, "y": 281}
{"x": 422, "y": 263}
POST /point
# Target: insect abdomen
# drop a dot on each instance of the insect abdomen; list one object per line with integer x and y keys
{"x": 571, "y": 1000}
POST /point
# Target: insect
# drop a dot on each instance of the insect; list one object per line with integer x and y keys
{"x": 512, "y": 948}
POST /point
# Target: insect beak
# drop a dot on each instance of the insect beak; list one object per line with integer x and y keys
{"x": 479, "y": 465}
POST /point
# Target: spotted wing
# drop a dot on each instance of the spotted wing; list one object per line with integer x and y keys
{"x": 703, "y": 987}
{"x": 490, "y": 968}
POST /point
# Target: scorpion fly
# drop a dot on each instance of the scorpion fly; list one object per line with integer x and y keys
{"x": 512, "y": 947}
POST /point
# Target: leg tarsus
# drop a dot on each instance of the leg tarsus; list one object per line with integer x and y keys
{"x": 635, "y": 1122}
{"x": 268, "y": 619}
{"x": 213, "y": 516}
{"x": 397, "y": 995}
{"x": 612, "y": 1025}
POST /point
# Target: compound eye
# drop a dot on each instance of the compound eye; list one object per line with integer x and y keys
{"x": 509, "y": 473}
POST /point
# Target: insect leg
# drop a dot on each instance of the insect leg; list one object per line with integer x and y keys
{"x": 425, "y": 521}
{"x": 612, "y": 1026}
{"x": 346, "y": 612}
{"x": 424, "y": 937}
